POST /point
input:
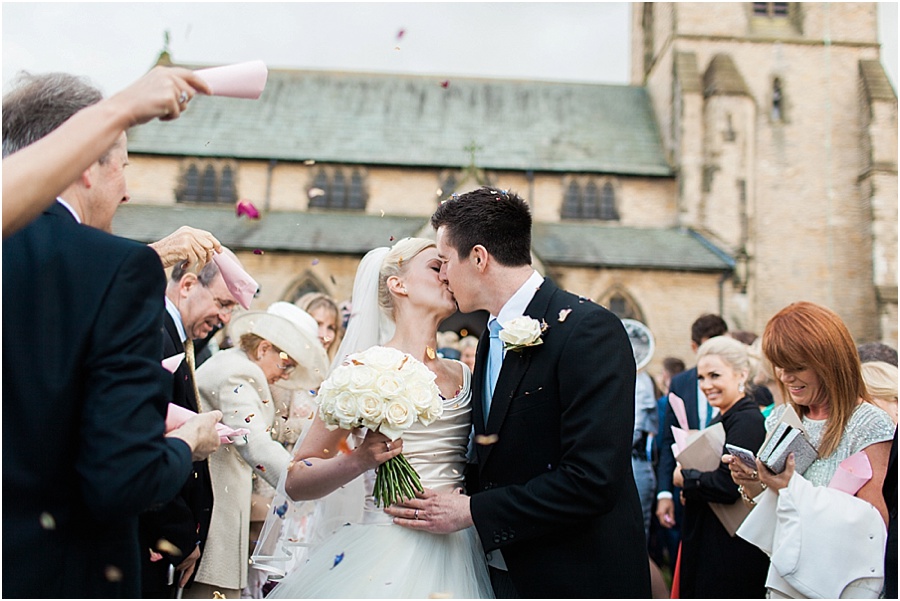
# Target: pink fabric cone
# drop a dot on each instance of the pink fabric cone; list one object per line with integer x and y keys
{"x": 241, "y": 80}
{"x": 238, "y": 281}
{"x": 852, "y": 473}
{"x": 176, "y": 416}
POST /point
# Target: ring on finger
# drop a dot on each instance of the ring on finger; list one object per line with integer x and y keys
{"x": 754, "y": 475}
{"x": 416, "y": 514}
{"x": 183, "y": 98}
{"x": 388, "y": 445}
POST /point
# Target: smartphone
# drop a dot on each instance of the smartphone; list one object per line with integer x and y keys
{"x": 743, "y": 454}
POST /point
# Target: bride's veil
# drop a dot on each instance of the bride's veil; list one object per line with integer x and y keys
{"x": 292, "y": 527}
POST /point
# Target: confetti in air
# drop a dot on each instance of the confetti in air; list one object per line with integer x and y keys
{"x": 166, "y": 547}
{"x": 563, "y": 313}
{"x": 258, "y": 251}
{"x": 261, "y": 467}
{"x": 306, "y": 462}
{"x": 238, "y": 388}
{"x": 488, "y": 439}
{"x": 309, "y": 162}
{"x": 113, "y": 574}
{"x": 400, "y": 34}
{"x": 445, "y": 84}
{"x": 315, "y": 261}
{"x": 47, "y": 521}
{"x": 337, "y": 559}
{"x": 247, "y": 419}
{"x": 245, "y": 207}
{"x": 315, "y": 192}
{"x": 218, "y": 595}
{"x": 430, "y": 352}
{"x": 281, "y": 510}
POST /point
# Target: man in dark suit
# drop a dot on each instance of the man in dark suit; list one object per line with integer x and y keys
{"x": 684, "y": 385}
{"x": 556, "y": 505}
{"x": 84, "y": 394}
{"x": 196, "y": 304}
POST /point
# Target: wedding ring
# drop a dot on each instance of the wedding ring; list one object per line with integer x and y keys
{"x": 183, "y": 98}
{"x": 754, "y": 475}
{"x": 416, "y": 515}
{"x": 388, "y": 445}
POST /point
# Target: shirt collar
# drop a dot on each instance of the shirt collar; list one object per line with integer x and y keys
{"x": 69, "y": 208}
{"x": 518, "y": 302}
{"x": 176, "y": 317}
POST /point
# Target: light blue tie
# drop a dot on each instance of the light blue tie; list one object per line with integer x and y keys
{"x": 495, "y": 360}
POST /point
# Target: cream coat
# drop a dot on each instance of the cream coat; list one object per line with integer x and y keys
{"x": 230, "y": 382}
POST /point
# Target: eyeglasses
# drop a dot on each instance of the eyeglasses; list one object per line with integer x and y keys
{"x": 286, "y": 369}
{"x": 225, "y": 307}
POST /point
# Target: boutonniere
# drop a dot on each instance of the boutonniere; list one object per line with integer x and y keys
{"x": 522, "y": 332}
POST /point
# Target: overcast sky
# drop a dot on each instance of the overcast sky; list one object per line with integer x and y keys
{"x": 115, "y": 42}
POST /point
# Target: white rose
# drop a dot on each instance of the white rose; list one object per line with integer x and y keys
{"x": 382, "y": 358}
{"x": 389, "y": 384}
{"x": 339, "y": 378}
{"x": 362, "y": 378}
{"x": 399, "y": 415}
{"x": 345, "y": 410}
{"x": 421, "y": 395}
{"x": 521, "y": 331}
{"x": 370, "y": 409}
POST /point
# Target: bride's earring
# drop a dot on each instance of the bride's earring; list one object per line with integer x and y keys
{"x": 741, "y": 388}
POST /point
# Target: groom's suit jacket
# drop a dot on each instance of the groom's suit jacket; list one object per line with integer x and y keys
{"x": 556, "y": 492}
{"x": 84, "y": 398}
{"x": 183, "y": 521}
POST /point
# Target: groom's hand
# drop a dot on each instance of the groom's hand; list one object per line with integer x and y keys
{"x": 439, "y": 513}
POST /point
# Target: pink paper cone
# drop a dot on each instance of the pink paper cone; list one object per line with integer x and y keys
{"x": 177, "y": 415}
{"x": 238, "y": 281}
{"x": 172, "y": 363}
{"x": 852, "y": 473}
{"x": 241, "y": 80}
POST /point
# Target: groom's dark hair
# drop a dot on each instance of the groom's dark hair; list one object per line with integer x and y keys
{"x": 499, "y": 220}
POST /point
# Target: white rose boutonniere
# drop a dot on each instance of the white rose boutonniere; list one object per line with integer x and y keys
{"x": 522, "y": 332}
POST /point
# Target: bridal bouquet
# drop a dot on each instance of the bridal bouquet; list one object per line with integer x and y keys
{"x": 384, "y": 390}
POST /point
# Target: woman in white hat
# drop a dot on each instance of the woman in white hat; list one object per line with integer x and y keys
{"x": 280, "y": 344}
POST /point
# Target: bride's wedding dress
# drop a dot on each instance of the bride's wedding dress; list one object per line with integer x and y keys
{"x": 377, "y": 559}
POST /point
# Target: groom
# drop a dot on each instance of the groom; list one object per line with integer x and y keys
{"x": 555, "y": 506}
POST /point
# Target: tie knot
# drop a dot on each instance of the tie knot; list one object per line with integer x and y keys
{"x": 495, "y": 327}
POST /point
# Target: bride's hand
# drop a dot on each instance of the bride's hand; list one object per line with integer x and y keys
{"x": 377, "y": 448}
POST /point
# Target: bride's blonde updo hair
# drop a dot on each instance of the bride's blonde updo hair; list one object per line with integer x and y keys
{"x": 394, "y": 264}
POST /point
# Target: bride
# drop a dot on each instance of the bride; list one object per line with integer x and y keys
{"x": 398, "y": 302}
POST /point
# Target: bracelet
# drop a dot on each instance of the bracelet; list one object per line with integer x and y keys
{"x": 747, "y": 498}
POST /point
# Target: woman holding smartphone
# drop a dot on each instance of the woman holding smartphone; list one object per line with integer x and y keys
{"x": 713, "y": 563}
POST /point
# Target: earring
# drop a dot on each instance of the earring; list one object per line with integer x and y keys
{"x": 741, "y": 388}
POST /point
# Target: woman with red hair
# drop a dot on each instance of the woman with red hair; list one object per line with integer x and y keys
{"x": 822, "y": 541}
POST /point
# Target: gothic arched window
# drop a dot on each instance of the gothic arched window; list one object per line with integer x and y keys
{"x": 608, "y": 211}
{"x": 211, "y": 182}
{"x": 330, "y": 190}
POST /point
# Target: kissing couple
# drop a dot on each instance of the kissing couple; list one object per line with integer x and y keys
{"x": 545, "y": 505}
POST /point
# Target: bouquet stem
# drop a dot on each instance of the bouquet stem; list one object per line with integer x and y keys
{"x": 395, "y": 481}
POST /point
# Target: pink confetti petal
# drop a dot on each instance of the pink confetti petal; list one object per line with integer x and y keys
{"x": 445, "y": 84}
{"x": 245, "y": 207}
{"x": 257, "y": 251}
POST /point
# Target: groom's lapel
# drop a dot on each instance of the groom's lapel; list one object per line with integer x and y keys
{"x": 515, "y": 364}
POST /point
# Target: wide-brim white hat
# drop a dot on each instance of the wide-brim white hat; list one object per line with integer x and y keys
{"x": 295, "y": 332}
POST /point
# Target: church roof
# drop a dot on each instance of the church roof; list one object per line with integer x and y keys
{"x": 723, "y": 78}
{"x": 577, "y": 244}
{"x": 876, "y": 82}
{"x": 421, "y": 121}
{"x": 611, "y": 246}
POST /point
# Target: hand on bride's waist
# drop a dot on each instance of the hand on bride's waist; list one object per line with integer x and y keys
{"x": 439, "y": 513}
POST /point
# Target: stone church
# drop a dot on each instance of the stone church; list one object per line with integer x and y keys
{"x": 752, "y": 162}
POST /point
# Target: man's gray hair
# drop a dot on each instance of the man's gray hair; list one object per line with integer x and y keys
{"x": 206, "y": 275}
{"x": 39, "y": 104}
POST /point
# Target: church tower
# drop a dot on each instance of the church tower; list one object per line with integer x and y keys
{"x": 781, "y": 125}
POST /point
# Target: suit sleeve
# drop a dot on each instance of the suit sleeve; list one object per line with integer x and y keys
{"x": 596, "y": 399}
{"x": 666, "y": 458}
{"x": 126, "y": 464}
